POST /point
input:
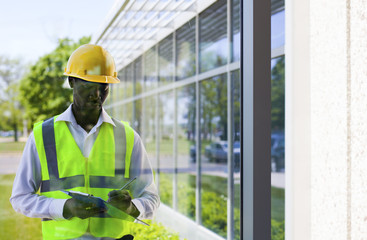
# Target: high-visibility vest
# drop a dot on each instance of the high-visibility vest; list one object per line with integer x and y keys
{"x": 64, "y": 167}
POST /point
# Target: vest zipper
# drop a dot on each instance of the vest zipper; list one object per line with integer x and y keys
{"x": 86, "y": 176}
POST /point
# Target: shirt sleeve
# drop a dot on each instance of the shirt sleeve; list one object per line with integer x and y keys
{"x": 24, "y": 198}
{"x": 144, "y": 190}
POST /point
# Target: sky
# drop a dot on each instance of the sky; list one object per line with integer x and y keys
{"x": 30, "y": 29}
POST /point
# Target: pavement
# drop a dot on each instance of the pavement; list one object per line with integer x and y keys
{"x": 9, "y": 162}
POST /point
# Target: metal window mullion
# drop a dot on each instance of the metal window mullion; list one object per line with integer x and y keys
{"x": 158, "y": 139}
{"x": 198, "y": 132}
{"x": 255, "y": 114}
{"x": 143, "y": 117}
{"x": 124, "y": 106}
{"x": 157, "y": 115}
{"x": 175, "y": 196}
{"x": 175, "y": 138}
{"x": 230, "y": 184}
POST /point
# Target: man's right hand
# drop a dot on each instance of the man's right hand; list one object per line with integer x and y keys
{"x": 76, "y": 208}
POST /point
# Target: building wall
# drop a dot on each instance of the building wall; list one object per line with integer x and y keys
{"x": 326, "y": 54}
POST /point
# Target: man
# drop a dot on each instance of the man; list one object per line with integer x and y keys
{"x": 85, "y": 150}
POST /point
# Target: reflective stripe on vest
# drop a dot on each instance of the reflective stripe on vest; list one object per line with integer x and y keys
{"x": 65, "y": 168}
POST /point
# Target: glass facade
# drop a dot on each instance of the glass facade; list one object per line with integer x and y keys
{"x": 176, "y": 96}
{"x": 214, "y": 153}
{"x": 185, "y": 50}
{"x": 213, "y": 40}
{"x": 165, "y": 61}
{"x": 186, "y": 154}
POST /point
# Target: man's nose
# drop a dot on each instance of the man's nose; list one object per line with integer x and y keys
{"x": 95, "y": 92}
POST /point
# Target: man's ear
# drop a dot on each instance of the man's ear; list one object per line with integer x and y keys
{"x": 71, "y": 82}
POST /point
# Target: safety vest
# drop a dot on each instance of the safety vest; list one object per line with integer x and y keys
{"x": 64, "y": 167}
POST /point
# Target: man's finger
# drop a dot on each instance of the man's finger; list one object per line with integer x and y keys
{"x": 119, "y": 198}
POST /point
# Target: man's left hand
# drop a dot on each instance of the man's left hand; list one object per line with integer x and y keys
{"x": 122, "y": 200}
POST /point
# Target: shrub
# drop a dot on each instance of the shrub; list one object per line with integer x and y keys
{"x": 155, "y": 231}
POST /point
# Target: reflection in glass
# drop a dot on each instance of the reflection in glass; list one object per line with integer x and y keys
{"x": 165, "y": 60}
{"x": 236, "y": 24}
{"x": 277, "y": 147}
{"x": 118, "y": 93}
{"x": 236, "y": 118}
{"x": 149, "y": 135}
{"x": 150, "y": 69}
{"x": 138, "y": 76}
{"x": 277, "y": 30}
{"x": 213, "y": 36}
{"x": 138, "y": 116}
{"x": 185, "y": 50}
{"x": 213, "y": 127}
{"x": 166, "y": 157}
{"x": 129, "y": 91}
{"x": 186, "y": 157}
{"x": 129, "y": 113}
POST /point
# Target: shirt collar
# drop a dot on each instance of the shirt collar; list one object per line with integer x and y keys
{"x": 68, "y": 116}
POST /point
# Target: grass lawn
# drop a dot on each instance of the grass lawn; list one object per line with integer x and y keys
{"x": 6, "y": 147}
{"x": 12, "y": 224}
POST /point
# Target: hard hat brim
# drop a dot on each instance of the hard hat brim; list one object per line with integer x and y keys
{"x": 95, "y": 78}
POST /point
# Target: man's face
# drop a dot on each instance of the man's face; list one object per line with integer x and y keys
{"x": 88, "y": 95}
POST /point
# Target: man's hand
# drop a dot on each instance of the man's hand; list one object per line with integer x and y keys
{"x": 77, "y": 208}
{"x": 122, "y": 200}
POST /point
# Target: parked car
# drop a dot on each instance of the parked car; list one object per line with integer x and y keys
{"x": 218, "y": 151}
{"x": 277, "y": 152}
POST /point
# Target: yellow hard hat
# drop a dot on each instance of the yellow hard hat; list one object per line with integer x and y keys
{"x": 92, "y": 63}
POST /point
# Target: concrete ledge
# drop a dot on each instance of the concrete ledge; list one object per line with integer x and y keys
{"x": 183, "y": 225}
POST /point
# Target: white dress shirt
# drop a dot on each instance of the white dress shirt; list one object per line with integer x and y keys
{"x": 25, "y": 199}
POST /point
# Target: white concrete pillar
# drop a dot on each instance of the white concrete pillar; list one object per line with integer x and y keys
{"x": 297, "y": 120}
{"x": 326, "y": 119}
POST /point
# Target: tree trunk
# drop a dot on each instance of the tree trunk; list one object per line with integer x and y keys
{"x": 15, "y": 133}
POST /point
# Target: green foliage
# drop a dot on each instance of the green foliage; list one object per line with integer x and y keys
{"x": 42, "y": 90}
{"x": 165, "y": 187}
{"x": 11, "y": 71}
{"x": 154, "y": 231}
{"x": 277, "y": 95}
{"x": 277, "y": 230}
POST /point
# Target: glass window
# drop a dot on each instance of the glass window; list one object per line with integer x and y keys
{"x": 185, "y": 50}
{"x": 138, "y": 116}
{"x": 277, "y": 147}
{"x": 165, "y": 60}
{"x": 138, "y": 72}
{"x": 186, "y": 154}
{"x": 150, "y": 65}
{"x": 277, "y": 29}
{"x": 149, "y": 135}
{"x": 128, "y": 113}
{"x": 213, "y": 36}
{"x": 129, "y": 91}
{"x": 166, "y": 157}
{"x": 236, "y": 119}
{"x": 213, "y": 127}
{"x": 236, "y": 27}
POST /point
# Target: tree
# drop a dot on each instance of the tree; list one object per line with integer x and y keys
{"x": 43, "y": 90}
{"x": 11, "y": 71}
{"x": 277, "y": 95}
